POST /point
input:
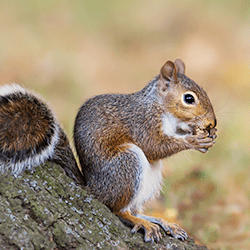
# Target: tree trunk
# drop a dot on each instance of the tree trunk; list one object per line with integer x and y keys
{"x": 47, "y": 210}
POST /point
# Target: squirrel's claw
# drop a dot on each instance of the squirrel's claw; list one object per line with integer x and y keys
{"x": 152, "y": 231}
{"x": 178, "y": 232}
{"x": 136, "y": 228}
{"x": 174, "y": 230}
{"x": 170, "y": 228}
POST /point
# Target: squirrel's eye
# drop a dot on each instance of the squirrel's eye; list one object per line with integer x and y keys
{"x": 189, "y": 99}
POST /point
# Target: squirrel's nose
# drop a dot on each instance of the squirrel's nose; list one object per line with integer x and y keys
{"x": 212, "y": 124}
{"x": 212, "y": 129}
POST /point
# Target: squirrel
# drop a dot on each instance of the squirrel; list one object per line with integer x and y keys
{"x": 30, "y": 134}
{"x": 121, "y": 139}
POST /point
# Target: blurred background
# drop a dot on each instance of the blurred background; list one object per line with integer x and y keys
{"x": 69, "y": 51}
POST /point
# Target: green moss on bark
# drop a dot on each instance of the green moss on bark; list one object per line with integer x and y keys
{"x": 47, "y": 210}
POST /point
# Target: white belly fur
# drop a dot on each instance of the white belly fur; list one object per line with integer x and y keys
{"x": 150, "y": 180}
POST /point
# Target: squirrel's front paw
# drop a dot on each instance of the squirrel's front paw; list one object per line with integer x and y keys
{"x": 202, "y": 140}
{"x": 212, "y": 133}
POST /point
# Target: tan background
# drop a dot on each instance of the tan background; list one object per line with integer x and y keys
{"x": 69, "y": 51}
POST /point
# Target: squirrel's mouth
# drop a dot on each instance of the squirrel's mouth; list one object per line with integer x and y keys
{"x": 191, "y": 129}
{"x": 202, "y": 138}
{"x": 211, "y": 132}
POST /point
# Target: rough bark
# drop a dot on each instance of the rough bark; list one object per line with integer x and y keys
{"x": 47, "y": 210}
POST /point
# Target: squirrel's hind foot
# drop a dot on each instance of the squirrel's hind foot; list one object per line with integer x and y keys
{"x": 151, "y": 226}
{"x": 176, "y": 231}
{"x": 152, "y": 231}
{"x": 170, "y": 228}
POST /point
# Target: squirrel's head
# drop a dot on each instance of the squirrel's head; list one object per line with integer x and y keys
{"x": 183, "y": 98}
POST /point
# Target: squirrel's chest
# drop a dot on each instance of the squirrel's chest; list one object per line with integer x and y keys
{"x": 149, "y": 180}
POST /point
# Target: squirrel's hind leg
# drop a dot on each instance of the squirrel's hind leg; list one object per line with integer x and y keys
{"x": 148, "y": 185}
{"x": 171, "y": 228}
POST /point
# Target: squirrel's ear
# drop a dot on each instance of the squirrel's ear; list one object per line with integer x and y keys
{"x": 168, "y": 71}
{"x": 180, "y": 66}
